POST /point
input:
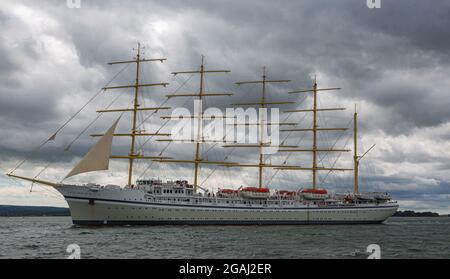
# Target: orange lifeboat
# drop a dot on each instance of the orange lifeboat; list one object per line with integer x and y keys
{"x": 314, "y": 194}
{"x": 227, "y": 193}
{"x": 254, "y": 189}
{"x": 255, "y": 193}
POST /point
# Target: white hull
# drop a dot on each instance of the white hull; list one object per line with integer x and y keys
{"x": 90, "y": 206}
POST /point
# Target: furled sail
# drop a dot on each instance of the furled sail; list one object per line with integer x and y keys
{"x": 98, "y": 156}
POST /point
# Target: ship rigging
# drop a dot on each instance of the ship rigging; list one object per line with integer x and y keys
{"x": 154, "y": 201}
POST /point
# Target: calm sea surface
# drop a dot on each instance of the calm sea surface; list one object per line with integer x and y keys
{"x": 48, "y": 237}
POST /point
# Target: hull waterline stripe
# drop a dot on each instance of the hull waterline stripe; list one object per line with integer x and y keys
{"x": 230, "y": 207}
{"x": 220, "y": 222}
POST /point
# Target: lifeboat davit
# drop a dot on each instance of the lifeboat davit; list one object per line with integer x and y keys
{"x": 382, "y": 196}
{"x": 227, "y": 193}
{"x": 255, "y": 193}
{"x": 365, "y": 196}
{"x": 314, "y": 194}
{"x": 285, "y": 194}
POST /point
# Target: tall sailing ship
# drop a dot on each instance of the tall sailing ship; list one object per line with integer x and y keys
{"x": 179, "y": 202}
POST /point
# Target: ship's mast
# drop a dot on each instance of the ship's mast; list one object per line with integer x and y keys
{"x": 263, "y": 104}
{"x": 315, "y": 129}
{"x": 314, "y": 152}
{"x": 356, "y": 157}
{"x": 355, "y": 151}
{"x": 198, "y": 160}
{"x": 261, "y": 127}
{"x": 133, "y": 155}
{"x": 199, "y": 125}
{"x": 135, "y": 107}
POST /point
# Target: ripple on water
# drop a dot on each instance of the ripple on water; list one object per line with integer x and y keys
{"x": 31, "y": 246}
{"x": 48, "y": 237}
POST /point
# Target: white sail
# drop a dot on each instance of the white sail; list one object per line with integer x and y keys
{"x": 98, "y": 156}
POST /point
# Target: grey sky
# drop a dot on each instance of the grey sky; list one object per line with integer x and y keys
{"x": 394, "y": 62}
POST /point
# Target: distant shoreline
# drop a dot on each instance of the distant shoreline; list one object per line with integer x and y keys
{"x": 32, "y": 211}
{"x": 410, "y": 213}
{"x": 41, "y": 211}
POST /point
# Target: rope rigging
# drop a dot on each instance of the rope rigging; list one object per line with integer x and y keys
{"x": 340, "y": 154}
{"x": 204, "y": 151}
{"x": 53, "y": 136}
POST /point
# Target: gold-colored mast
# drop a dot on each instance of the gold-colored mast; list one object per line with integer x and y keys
{"x": 356, "y": 157}
{"x": 200, "y": 117}
{"x": 135, "y": 107}
{"x": 199, "y": 126}
{"x": 261, "y": 126}
{"x": 133, "y": 155}
{"x": 263, "y": 105}
{"x": 315, "y": 168}
{"x": 355, "y": 151}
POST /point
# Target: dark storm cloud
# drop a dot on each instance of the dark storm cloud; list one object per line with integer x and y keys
{"x": 345, "y": 40}
{"x": 422, "y": 23}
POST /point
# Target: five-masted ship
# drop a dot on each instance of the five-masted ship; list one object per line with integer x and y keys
{"x": 179, "y": 202}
